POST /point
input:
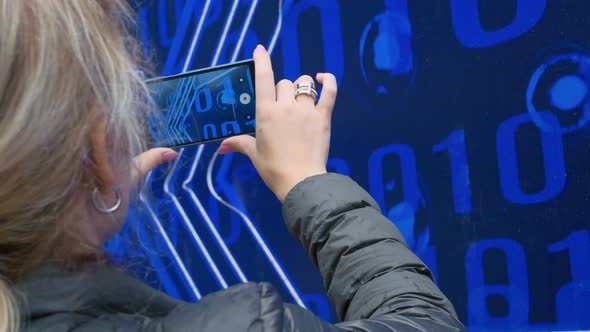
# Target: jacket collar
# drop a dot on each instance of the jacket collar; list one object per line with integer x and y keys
{"x": 96, "y": 290}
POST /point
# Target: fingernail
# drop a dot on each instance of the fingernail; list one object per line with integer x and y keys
{"x": 169, "y": 155}
{"x": 224, "y": 149}
{"x": 260, "y": 48}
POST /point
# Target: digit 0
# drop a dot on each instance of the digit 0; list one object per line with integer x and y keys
{"x": 331, "y": 34}
{"x": 209, "y": 131}
{"x": 553, "y": 160}
{"x": 471, "y": 33}
{"x": 408, "y": 170}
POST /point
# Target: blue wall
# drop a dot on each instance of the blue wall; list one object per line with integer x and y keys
{"x": 465, "y": 119}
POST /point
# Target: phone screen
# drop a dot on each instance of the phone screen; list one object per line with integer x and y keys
{"x": 203, "y": 105}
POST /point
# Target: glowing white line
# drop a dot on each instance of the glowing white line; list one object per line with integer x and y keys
{"x": 196, "y": 36}
{"x": 254, "y": 232}
{"x": 225, "y": 30}
{"x": 176, "y": 121}
{"x": 275, "y": 36}
{"x": 228, "y": 254}
{"x": 244, "y": 217}
{"x": 244, "y": 30}
{"x": 142, "y": 198}
{"x": 189, "y": 225}
{"x": 185, "y": 273}
{"x": 188, "y": 180}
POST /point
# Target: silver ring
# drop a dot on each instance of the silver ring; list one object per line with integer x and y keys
{"x": 306, "y": 88}
{"x": 102, "y": 209}
{"x": 306, "y": 84}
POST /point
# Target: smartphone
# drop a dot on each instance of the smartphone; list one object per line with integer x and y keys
{"x": 204, "y": 105}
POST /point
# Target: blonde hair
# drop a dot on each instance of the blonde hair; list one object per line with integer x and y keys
{"x": 64, "y": 66}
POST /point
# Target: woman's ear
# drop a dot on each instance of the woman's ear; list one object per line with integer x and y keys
{"x": 100, "y": 166}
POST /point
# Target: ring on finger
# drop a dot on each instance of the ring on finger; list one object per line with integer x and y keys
{"x": 306, "y": 88}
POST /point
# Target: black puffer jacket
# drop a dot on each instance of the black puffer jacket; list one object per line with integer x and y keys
{"x": 372, "y": 279}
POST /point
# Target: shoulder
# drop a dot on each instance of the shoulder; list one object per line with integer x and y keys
{"x": 246, "y": 307}
{"x": 113, "y": 301}
{"x": 251, "y": 306}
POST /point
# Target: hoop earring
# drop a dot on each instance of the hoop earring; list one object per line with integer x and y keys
{"x": 102, "y": 209}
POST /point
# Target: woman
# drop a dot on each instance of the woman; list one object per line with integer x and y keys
{"x": 71, "y": 120}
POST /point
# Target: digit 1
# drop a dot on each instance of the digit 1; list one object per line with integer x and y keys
{"x": 516, "y": 292}
{"x": 455, "y": 143}
{"x": 578, "y": 244}
{"x": 573, "y": 298}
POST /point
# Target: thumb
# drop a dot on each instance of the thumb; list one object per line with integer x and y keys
{"x": 243, "y": 144}
{"x": 151, "y": 159}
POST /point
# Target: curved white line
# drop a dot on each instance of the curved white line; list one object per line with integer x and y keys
{"x": 187, "y": 276}
{"x": 189, "y": 225}
{"x": 185, "y": 273}
{"x": 212, "y": 228}
{"x": 166, "y": 183}
{"x": 186, "y": 183}
{"x": 251, "y": 227}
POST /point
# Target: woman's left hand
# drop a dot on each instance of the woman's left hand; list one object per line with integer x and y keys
{"x": 147, "y": 161}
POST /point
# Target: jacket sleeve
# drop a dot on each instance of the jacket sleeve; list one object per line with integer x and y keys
{"x": 371, "y": 277}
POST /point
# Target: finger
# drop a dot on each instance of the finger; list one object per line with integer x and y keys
{"x": 243, "y": 144}
{"x": 264, "y": 76}
{"x": 147, "y": 161}
{"x": 329, "y": 92}
{"x": 285, "y": 90}
{"x": 303, "y": 98}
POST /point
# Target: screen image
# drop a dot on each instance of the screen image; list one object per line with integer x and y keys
{"x": 203, "y": 106}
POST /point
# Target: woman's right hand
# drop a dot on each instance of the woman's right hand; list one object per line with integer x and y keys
{"x": 292, "y": 133}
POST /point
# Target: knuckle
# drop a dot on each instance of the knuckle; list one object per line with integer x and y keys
{"x": 331, "y": 90}
{"x": 284, "y": 82}
{"x": 304, "y": 78}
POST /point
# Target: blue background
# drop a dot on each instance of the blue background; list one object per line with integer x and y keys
{"x": 465, "y": 119}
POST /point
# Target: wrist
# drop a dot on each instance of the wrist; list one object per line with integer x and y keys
{"x": 289, "y": 182}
